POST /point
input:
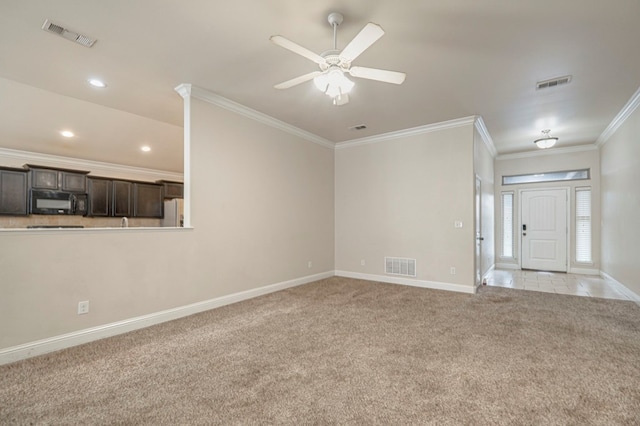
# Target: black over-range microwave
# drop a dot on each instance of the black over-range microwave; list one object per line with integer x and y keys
{"x": 57, "y": 202}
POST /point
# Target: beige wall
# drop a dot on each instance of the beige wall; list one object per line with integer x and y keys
{"x": 549, "y": 161}
{"x": 262, "y": 207}
{"x": 620, "y": 170}
{"x": 483, "y": 165}
{"x": 262, "y": 200}
{"x": 400, "y": 198}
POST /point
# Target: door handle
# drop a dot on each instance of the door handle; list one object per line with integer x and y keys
{"x": 480, "y": 238}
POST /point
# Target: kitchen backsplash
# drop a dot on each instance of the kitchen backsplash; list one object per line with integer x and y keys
{"x": 87, "y": 222}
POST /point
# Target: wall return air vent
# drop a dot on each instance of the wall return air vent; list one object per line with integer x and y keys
{"x": 69, "y": 35}
{"x": 400, "y": 266}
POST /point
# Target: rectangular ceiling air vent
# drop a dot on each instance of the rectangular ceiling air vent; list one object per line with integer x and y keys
{"x": 358, "y": 127}
{"x": 400, "y": 266}
{"x": 69, "y": 35}
{"x": 558, "y": 81}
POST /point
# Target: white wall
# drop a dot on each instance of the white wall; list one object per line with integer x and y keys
{"x": 620, "y": 171}
{"x": 400, "y": 198}
{"x": 550, "y": 161}
{"x": 262, "y": 207}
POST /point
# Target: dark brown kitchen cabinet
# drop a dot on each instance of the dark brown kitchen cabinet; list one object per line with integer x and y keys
{"x": 122, "y": 198}
{"x": 148, "y": 200}
{"x": 43, "y": 177}
{"x": 100, "y": 196}
{"x": 13, "y": 191}
{"x": 172, "y": 189}
{"x": 74, "y": 182}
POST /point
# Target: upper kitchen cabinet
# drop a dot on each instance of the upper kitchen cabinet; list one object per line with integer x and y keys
{"x": 13, "y": 191}
{"x": 148, "y": 200}
{"x": 122, "y": 198}
{"x": 57, "y": 179}
{"x": 172, "y": 189}
{"x": 100, "y": 195}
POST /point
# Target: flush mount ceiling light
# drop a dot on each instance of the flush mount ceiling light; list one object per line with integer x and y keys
{"x": 546, "y": 141}
{"x": 145, "y": 149}
{"x": 67, "y": 133}
{"x": 97, "y": 83}
{"x": 334, "y": 64}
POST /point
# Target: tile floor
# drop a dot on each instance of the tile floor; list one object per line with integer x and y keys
{"x": 558, "y": 282}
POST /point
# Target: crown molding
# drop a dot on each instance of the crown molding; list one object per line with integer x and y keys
{"x": 204, "y": 95}
{"x": 486, "y": 137}
{"x": 619, "y": 119}
{"x": 450, "y": 124}
{"x": 183, "y": 89}
{"x": 543, "y": 152}
{"x": 76, "y": 163}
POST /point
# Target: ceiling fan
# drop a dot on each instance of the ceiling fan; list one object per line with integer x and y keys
{"x": 334, "y": 64}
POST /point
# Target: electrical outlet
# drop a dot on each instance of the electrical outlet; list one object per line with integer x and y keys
{"x": 452, "y": 270}
{"x": 83, "y": 307}
{"x": 309, "y": 265}
{"x": 457, "y": 224}
{"x": 362, "y": 262}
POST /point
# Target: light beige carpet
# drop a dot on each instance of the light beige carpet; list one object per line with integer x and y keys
{"x": 343, "y": 351}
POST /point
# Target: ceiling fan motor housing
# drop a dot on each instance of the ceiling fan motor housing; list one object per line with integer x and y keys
{"x": 335, "y": 18}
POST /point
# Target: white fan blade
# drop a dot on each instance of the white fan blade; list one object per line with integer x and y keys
{"x": 297, "y": 80}
{"x": 365, "y": 38}
{"x": 394, "y": 77}
{"x": 296, "y": 48}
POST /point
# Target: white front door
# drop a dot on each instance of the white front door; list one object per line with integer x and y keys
{"x": 543, "y": 228}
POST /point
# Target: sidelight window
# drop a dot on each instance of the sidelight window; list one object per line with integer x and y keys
{"x": 583, "y": 225}
{"x": 507, "y": 224}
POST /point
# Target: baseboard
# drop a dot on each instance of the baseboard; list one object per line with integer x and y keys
{"x": 621, "y": 288}
{"x": 483, "y": 279}
{"x": 584, "y": 271}
{"x": 407, "y": 281}
{"x": 507, "y": 266}
{"x": 40, "y": 347}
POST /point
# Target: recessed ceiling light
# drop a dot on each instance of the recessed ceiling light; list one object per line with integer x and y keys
{"x": 97, "y": 83}
{"x": 145, "y": 148}
{"x": 67, "y": 133}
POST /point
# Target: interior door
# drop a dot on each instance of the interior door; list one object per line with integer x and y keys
{"x": 543, "y": 221}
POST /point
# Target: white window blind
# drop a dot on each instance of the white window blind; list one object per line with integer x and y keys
{"x": 583, "y": 225}
{"x": 507, "y": 224}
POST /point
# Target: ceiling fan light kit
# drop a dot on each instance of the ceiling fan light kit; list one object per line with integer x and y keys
{"x": 334, "y": 64}
{"x": 546, "y": 141}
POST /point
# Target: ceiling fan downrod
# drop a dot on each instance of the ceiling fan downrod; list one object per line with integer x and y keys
{"x": 335, "y": 19}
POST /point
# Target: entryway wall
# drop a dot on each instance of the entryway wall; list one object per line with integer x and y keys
{"x": 555, "y": 159}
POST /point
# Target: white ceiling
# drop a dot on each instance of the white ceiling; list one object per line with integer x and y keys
{"x": 461, "y": 58}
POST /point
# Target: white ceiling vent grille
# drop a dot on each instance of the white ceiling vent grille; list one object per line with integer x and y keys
{"x": 558, "y": 81}
{"x": 69, "y": 35}
{"x": 400, "y": 266}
